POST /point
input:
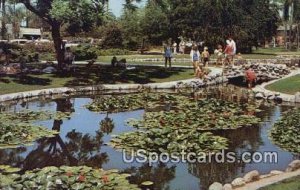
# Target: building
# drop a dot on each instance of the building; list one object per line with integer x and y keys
{"x": 30, "y": 33}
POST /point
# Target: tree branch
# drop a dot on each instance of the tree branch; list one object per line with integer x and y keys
{"x": 33, "y": 9}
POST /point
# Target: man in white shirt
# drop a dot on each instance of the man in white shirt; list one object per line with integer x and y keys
{"x": 233, "y": 45}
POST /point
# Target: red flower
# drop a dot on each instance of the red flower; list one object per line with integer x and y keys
{"x": 81, "y": 178}
{"x": 69, "y": 174}
{"x": 105, "y": 179}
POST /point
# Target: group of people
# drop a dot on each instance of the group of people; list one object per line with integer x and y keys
{"x": 225, "y": 56}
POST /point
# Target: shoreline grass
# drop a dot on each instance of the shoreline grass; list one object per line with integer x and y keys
{"x": 289, "y": 85}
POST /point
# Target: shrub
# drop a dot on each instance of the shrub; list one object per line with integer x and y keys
{"x": 112, "y": 52}
{"x": 85, "y": 53}
{"x": 39, "y": 48}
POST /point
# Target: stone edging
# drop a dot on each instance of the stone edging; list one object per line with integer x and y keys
{"x": 263, "y": 92}
{"x": 215, "y": 78}
{"x": 254, "y": 181}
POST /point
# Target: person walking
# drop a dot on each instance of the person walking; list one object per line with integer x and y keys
{"x": 205, "y": 56}
{"x": 228, "y": 53}
{"x": 168, "y": 55}
{"x": 68, "y": 58}
{"x": 195, "y": 56}
{"x": 233, "y": 45}
{"x": 175, "y": 48}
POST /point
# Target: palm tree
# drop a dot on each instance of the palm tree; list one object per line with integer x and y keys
{"x": 3, "y": 20}
{"x": 15, "y": 16}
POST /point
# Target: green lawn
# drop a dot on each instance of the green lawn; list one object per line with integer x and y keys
{"x": 94, "y": 76}
{"x": 261, "y": 53}
{"x": 289, "y": 85}
{"x": 289, "y": 184}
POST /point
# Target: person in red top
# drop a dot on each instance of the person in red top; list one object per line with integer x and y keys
{"x": 250, "y": 77}
{"x": 228, "y": 53}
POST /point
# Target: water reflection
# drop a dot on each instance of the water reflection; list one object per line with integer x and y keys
{"x": 161, "y": 175}
{"x": 82, "y": 140}
{"x": 107, "y": 125}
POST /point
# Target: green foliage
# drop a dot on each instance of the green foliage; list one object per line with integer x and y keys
{"x": 79, "y": 16}
{"x": 183, "y": 112}
{"x": 17, "y": 129}
{"x": 113, "y": 52}
{"x": 112, "y": 36}
{"x": 243, "y": 20}
{"x": 85, "y": 53}
{"x": 64, "y": 177}
{"x": 286, "y": 132}
{"x": 130, "y": 22}
{"x": 168, "y": 140}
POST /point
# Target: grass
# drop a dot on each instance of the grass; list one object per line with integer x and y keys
{"x": 289, "y": 85}
{"x": 94, "y": 76}
{"x": 261, "y": 53}
{"x": 289, "y": 184}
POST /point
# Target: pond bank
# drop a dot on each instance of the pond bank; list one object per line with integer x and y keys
{"x": 215, "y": 77}
{"x": 263, "y": 92}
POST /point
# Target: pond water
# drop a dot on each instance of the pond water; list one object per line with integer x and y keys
{"x": 82, "y": 141}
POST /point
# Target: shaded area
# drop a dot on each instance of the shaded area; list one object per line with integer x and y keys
{"x": 82, "y": 75}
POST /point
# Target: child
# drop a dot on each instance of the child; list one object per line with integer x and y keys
{"x": 205, "y": 56}
{"x": 200, "y": 72}
{"x": 219, "y": 54}
{"x": 195, "y": 56}
{"x": 250, "y": 77}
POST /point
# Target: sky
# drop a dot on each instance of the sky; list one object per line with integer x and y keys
{"x": 116, "y": 6}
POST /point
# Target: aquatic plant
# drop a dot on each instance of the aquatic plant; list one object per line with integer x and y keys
{"x": 208, "y": 114}
{"x": 18, "y": 129}
{"x": 286, "y": 132}
{"x": 64, "y": 177}
{"x": 168, "y": 140}
{"x": 129, "y": 102}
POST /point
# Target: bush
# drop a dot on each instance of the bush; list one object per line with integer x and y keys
{"x": 39, "y": 48}
{"x": 85, "y": 53}
{"x": 112, "y": 52}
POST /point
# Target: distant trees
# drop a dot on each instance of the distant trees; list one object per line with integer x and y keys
{"x": 250, "y": 22}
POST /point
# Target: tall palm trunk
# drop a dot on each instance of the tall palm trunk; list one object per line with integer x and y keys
{"x": 3, "y": 21}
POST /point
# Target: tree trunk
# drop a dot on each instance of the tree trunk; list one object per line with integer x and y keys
{"x": 3, "y": 23}
{"x": 58, "y": 45}
{"x": 285, "y": 36}
{"x": 298, "y": 37}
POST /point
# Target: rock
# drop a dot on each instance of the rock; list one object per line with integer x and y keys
{"x": 238, "y": 182}
{"x": 251, "y": 176}
{"x": 297, "y": 97}
{"x": 276, "y": 172}
{"x": 293, "y": 166}
{"x": 215, "y": 186}
{"x": 49, "y": 70}
{"x": 265, "y": 176}
{"x": 227, "y": 187}
{"x": 260, "y": 95}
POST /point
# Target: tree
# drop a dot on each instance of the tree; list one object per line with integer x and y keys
{"x": 59, "y": 12}
{"x": 3, "y": 20}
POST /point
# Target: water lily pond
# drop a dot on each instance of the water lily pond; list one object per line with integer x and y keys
{"x": 92, "y": 135}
